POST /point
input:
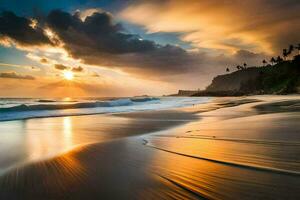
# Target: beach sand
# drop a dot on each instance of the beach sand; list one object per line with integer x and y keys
{"x": 231, "y": 148}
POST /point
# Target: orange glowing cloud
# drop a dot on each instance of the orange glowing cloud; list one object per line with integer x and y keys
{"x": 223, "y": 25}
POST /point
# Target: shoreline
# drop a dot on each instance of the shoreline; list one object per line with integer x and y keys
{"x": 135, "y": 125}
{"x": 122, "y": 166}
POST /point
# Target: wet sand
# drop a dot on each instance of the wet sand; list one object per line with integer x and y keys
{"x": 231, "y": 148}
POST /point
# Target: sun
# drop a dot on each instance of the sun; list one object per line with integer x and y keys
{"x": 68, "y": 75}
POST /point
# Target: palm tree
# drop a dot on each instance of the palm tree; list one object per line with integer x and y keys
{"x": 227, "y": 69}
{"x": 273, "y": 60}
{"x": 291, "y": 49}
{"x": 284, "y": 53}
{"x": 245, "y": 65}
{"x": 264, "y": 62}
{"x": 298, "y": 48}
{"x": 279, "y": 59}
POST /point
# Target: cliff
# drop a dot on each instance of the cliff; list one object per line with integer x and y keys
{"x": 281, "y": 78}
{"x": 233, "y": 81}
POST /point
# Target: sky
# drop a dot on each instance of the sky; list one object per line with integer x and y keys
{"x": 76, "y": 48}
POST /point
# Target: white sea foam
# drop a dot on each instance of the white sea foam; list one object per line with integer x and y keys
{"x": 15, "y": 109}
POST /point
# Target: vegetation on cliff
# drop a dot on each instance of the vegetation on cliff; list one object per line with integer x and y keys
{"x": 281, "y": 78}
{"x": 278, "y": 76}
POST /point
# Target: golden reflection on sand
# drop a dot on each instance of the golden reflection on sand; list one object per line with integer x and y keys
{"x": 43, "y": 141}
{"x": 67, "y": 132}
{"x": 55, "y": 176}
{"x": 187, "y": 177}
{"x": 67, "y": 166}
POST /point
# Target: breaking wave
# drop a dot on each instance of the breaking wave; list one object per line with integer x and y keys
{"x": 20, "y": 109}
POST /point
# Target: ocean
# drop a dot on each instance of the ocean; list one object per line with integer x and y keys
{"x": 26, "y": 108}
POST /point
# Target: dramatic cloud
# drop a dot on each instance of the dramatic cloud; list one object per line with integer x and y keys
{"x": 254, "y": 25}
{"x": 14, "y": 75}
{"x": 99, "y": 41}
{"x": 21, "y": 30}
{"x": 94, "y": 38}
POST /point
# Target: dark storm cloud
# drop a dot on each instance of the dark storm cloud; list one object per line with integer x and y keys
{"x": 60, "y": 67}
{"x": 97, "y": 31}
{"x": 19, "y": 29}
{"x": 14, "y": 75}
{"x": 98, "y": 40}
